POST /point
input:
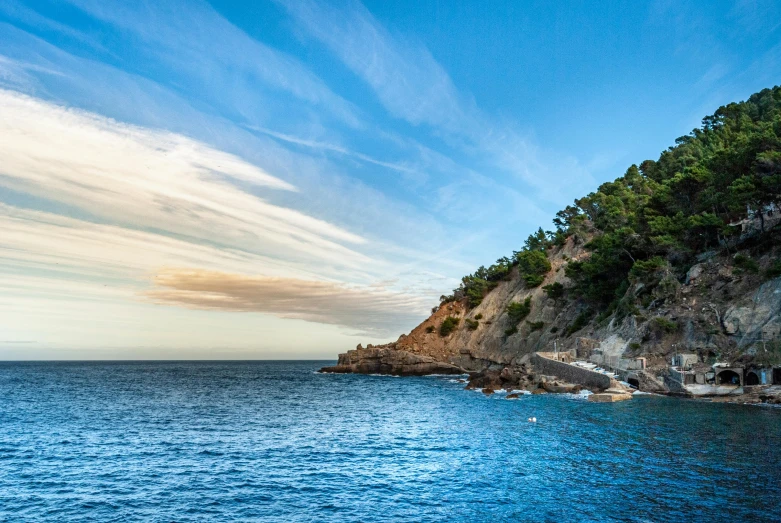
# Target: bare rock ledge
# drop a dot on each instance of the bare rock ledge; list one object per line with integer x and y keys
{"x": 382, "y": 360}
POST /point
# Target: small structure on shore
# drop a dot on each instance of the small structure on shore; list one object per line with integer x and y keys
{"x": 609, "y": 397}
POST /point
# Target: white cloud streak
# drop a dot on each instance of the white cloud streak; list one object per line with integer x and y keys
{"x": 154, "y": 179}
{"x": 194, "y": 39}
{"x": 178, "y": 231}
{"x": 53, "y": 258}
{"x": 413, "y": 86}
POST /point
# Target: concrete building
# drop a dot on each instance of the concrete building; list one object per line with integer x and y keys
{"x": 685, "y": 361}
{"x": 728, "y": 375}
{"x": 756, "y": 375}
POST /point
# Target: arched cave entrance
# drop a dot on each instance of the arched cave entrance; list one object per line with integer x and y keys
{"x": 752, "y": 378}
{"x": 634, "y": 382}
{"x": 727, "y": 377}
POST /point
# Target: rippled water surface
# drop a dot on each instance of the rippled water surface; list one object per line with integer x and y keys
{"x": 273, "y": 441}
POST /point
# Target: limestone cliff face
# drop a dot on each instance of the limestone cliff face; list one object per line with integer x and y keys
{"x": 487, "y": 346}
{"x": 715, "y": 310}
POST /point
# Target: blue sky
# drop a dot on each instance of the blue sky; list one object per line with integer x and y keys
{"x": 287, "y": 179}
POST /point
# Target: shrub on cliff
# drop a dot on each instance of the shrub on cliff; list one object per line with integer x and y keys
{"x": 472, "y": 324}
{"x": 555, "y": 290}
{"x": 665, "y": 324}
{"x": 745, "y": 263}
{"x": 516, "y": 311}
{"x": 533, "y": 266}
{"x": 449, "y": 324}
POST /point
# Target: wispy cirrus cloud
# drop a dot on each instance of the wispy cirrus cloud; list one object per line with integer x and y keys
{"x": 325, "y": 146}
{"x": 153, "y": 179}
{"x": 77, "y": 261}
{"x": 162, "y": 218}
{"x": 193, "y": 40}
{"x": 413, "y": 86}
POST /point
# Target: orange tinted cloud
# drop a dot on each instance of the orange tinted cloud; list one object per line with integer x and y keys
{"x": 365, "y": 309}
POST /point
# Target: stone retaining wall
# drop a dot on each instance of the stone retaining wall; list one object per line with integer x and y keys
{"x": 571, "y": 373}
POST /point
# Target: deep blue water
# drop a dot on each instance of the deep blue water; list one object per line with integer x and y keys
{"x": 273, "y": 441}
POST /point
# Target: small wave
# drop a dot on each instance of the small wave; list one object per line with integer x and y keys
{"x": 582, "y": 395}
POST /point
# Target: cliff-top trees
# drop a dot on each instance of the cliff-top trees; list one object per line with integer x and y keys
{"x": 669, "y": 209}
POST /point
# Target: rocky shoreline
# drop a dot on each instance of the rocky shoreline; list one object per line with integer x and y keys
{"x": 519, "y": 377}
{"x": 522, "y": 376}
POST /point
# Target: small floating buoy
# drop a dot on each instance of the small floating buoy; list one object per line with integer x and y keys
{"x": 532, "y": 420}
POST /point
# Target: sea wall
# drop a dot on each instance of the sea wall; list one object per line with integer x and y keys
{"x": 571, "y": 373}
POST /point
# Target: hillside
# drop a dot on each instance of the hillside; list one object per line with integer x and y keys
{"x": 680, "y": 254}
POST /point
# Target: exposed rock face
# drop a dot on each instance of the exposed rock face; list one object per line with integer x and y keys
{"x": 384, "y": 360}
{"x": 759, "y": 318}
{"x": 714, "y": 309}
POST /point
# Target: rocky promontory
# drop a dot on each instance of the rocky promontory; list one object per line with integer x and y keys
{"x": 386, "y": 360}
{"x": 667, "y": 278}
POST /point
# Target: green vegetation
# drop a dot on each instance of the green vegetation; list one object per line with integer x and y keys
{"x": 554, "y": 290}
{"x": 746, "y": 264}
{"x": 516, "y": 311}
{"x": 479, "y": 316}
{"x": 533, "y": 266}
{"x": 449, "y": 324}
{"x": 649, "y": 225}
{"x": 512, "y": 330}
{"x": 472, "y": 324}
{"x": 535, "y": 325}
{"x": 665, "y": 324}
{"x": 430, "y": 329}
{"x": 667, "y": 211}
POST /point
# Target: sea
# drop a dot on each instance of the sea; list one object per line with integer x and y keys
{"x": 275, "y": 441}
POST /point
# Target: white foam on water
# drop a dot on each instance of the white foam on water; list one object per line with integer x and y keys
{"x": 582, "y": 395}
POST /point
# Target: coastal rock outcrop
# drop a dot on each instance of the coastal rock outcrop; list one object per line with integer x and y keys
{"x": 386, "y": 360}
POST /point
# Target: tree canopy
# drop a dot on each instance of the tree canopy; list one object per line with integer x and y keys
{"x": 660, "y": 213}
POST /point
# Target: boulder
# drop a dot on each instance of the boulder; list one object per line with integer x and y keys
{"x": 561, "y": 388}
{"x": 694, "y": 273}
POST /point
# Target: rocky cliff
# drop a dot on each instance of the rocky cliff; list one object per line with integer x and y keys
{"x": 680, "y": 255}
{"x": 718, "y": 310}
